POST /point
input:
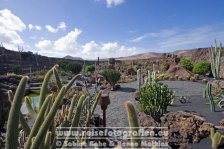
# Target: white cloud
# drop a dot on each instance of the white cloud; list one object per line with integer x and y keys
{"x": 10, "y": 25}
{"x": 37, "y": 27}
{"x": 111, "y": 3}
{"x": 68, "y": 45}
{"x": 202, "y": 35}
{"x": 61, "y": 26}
{"x": 162, "y": 34}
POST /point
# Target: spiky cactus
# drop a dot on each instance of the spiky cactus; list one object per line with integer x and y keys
{"x": 215, "y": 59}
{"x": 13, "y": 120}
{"x": 45, "y": 117}
{"x": 133, "y": 124}
{"x": 208, "y": 94}
{"x": 217, "y": 138}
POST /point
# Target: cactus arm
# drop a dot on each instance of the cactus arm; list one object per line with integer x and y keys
{"x": 57, "y": 78}
{"x": 133, "y": 122}
{"x": 71, "y": 108}
{"x": 30, "y": 109}
{"x": 43, "y": 90}
{"x": 23, "y": 122}
{"x": 44, "y": 127}
{"x": 47, "y": 142}
{"x": 69, "y": 85}
{"x": 38, "y": 122}
{"x": 77, "y": 116}
{"x": 13, "y": 120}
{"x": 78, "y": 111}
{"x": 96, "y": 102}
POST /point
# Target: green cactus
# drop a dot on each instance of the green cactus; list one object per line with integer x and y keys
{"x": 44, "y": 89}
{"x": 29, "y": 107}
{"x": 57, "y": 78}
{"x": 70, "y": 83}
{"x": 215, "y": 59}
{"x": 47, "y": 142}
{"x": 13, "y": 120}
{"x": 77, "y": 116}
{"x": 71, "y": 108}
{"x": 210, "y": 96}
{"x": 38, "y": 122}
{"x": 23, "y": 122}
{"x": 46, "y": 124}
{"x": 154, "y": 98}
{"x": 133, "y": 123}
{"x": 217, "y": 138}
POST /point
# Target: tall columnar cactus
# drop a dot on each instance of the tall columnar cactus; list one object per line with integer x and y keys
{"x": 133, "y": 124}
{"x": 13, "y": 120}
{"x": 38, "y": 122}
{"x": 208, "y": 94}
{"x": 48, "y": 120}
{"x": 23, "y": 122}
{"x": 44, "y": 89}
{"x": 139, "y": 78}
{"x": 149, "y": 76}
{"x": 215, "y": 59}
{"x": 71, "y": 108}
{"x": 217, "y": 138}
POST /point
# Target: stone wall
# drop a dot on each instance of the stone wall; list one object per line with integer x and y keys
{"x": 28, "y": 61}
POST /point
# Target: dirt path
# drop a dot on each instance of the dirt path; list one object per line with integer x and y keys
{"x": 117, "y": 117}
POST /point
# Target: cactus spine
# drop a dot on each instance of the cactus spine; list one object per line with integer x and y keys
{"x": 13, "y": 120}
{"x": 215, "y": 59}
{"x": 133, "y": 124}
{"x": 217, "y": 138}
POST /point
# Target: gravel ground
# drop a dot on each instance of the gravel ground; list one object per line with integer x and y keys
{"x": 117, "y": 117}
{"x": 116, "y": 114}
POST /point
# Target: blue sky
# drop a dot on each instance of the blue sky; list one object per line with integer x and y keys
{"x": 109, "y": 28}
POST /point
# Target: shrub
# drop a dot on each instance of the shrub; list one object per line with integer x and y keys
{"x": 186, "y": 63}
{"x": 74, "y": 67}
{"x": 111, "y": 76}
{"x": 16, "y": 68}
{"x": 90, "y": 68}
{"x": 70, "y": 66}
{"x": 154, "y": 98}
{"x": 163, "y": 68}
{"x": 202, "y": 68}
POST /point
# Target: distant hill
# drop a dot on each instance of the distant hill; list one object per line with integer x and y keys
{"x": 72, "y": 58}
{"x": 155, "y": 54}
{"x": 141, "y": 56}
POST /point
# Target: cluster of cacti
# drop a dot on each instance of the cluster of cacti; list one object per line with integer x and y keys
{"x": 154, "y": 98}
{"x": 217, "y": 138}
{"x": 215, "y": 59}
{"x": 48, "y": 117}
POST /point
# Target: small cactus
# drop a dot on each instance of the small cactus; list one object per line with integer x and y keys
{"x": 217, "y": 138}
